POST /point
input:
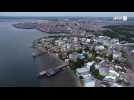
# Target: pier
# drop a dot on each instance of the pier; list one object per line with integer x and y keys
{"x": 52, "y": 72}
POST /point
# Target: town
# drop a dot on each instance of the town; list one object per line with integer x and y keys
{"x": 96, "y": 61}
{"x": 94, "y": 51}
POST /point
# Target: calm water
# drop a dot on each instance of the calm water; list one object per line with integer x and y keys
{"x": 17, "y": 67}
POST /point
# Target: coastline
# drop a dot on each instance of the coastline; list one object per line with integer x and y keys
{"x": 78, "y": 84}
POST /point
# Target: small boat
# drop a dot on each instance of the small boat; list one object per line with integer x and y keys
{"x": 42, "y": 73}
{"x": 34, "y": 54}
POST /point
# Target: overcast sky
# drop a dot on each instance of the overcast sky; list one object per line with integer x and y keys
{"x": 92, "y": 14}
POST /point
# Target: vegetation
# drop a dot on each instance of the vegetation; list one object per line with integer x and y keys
{"x": 95, "y": 73}
{"x": 123, "y": 32}
{"x": 76, "y": 64}
{"x": 110, "y": 57}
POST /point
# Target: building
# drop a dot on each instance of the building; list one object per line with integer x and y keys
{"x": 73, "y": 56}
{"x": 89, "y": 82}
{"x": 112, "y": 76}
{"x": 132, "y": 52}
{"x": 82, "y": 71}
{"x": 104, "y": 40}
{"x": 103, "y": 71}
{"x": 117, "y": 55}
{"x": 99, "y": 48}
{"x": 115, "y": 41}
{"x": 59, "y": 42}
{"x": 89, "y": 64}
{"x": 88, "y": 40}
{"x": 81, "y": 56}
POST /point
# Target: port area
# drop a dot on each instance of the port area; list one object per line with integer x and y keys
{"x": 53, "y": 71}
{"x": 40, "y": 51}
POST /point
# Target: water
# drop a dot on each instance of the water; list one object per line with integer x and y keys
{"x": 17, "y": 67}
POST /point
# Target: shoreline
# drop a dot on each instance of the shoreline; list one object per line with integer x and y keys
{"x": 78, "y": 84}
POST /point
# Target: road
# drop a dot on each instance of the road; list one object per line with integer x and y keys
{"x": 131, "y": 61}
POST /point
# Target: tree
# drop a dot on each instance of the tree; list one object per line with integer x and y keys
{"x": 110, "y": 57}
{"x": 95, "y": 73}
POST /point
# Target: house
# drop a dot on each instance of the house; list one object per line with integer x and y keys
{"x": 73, "y": 56}
{"x": 103, "y": 71}
{"x": 132, "y": 52}
{"x": 112, "y": 76}
{"x": 75, "y": 39}
{"x": 112, "y": 72}
{"x": 82, "y": 71}
{"x": 99, "y": 48}
{"x": 68, "y": 45}
{"x": 66, "y": 60}
{"x": 109, "y": 51}
{"x": 65, "y": 39}
{"x": 59, "y": 42}
{"x": 115, "y": 41}
{"x": 89, "y": 64}
{"x": 83, "y": 39}
{"x": 118, "y": 67}
{"x": 86, "y": 76}
{"x": 81, "y": 56}
{"x": 117, "y": 55}
{"x": 103, "y": 62}
{"x": 89, "y": 82}
{"x": 103, "y": 40}
{"x": 97, "y": 66}
{"x": 88, "y": 40}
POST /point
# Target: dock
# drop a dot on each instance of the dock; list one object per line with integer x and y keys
{"x": 51, "y": 72}
{"x": 60, "y": 67}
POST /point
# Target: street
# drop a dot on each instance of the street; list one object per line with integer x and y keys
{"x": 131, "y": 61}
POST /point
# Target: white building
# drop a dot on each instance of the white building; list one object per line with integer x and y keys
{"x": 112, "y": 76}
{"x": 82, "y": 71}
{"x": 88, "y": 40}
{"x": 86, "y": 76}
{"x": 73, "y": 56}
{"x": 104, "y": 40}
{"x": 103, "y": 71}
{"x": 132, "y": 52}
{"x": 59, "y": 42}
{"x": 83, "y": 39}
{"x": 115, "y": 41}
{"x": 97, "y": 66}
{"x": 89, "y": 64}
{"x": 75, "y": 39}
{"x": 117, "y": 55}
{"x": 89, "y": 83}
{"x": 99, "y": 48}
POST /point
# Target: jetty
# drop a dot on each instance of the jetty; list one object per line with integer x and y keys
{"x": 53, "y": 71}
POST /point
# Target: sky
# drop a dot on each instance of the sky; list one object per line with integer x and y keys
{"x": 81, "y": 14}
